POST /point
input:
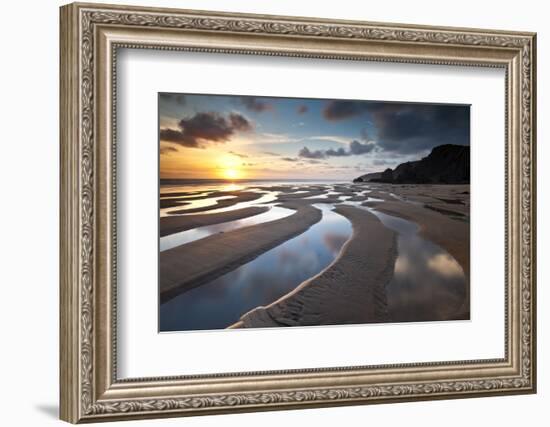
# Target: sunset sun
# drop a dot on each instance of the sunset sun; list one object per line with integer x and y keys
{"x": 229, "y": 167}
{"x": 231, "y": 173}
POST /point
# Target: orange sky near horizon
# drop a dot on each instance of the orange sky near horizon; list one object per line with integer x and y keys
{"x": 218, "y": 163}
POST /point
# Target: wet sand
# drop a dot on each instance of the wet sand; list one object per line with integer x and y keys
{"x": 170, "y": 203}
{"x": 236, "y": 197}
{"x": 175, "y": 224}
{"x": 305, "y": 194}
{"x": 187, "y": 266}
{"x": 350, "y": 290}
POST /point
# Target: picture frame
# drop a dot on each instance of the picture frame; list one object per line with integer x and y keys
{"x": 91, "y": 36}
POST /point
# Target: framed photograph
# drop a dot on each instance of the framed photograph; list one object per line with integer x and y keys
{"x": 266, "y": 212}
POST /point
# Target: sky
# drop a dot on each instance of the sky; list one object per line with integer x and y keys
{"x": 245, "y": 137}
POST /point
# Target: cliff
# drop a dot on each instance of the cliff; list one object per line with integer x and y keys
{"x": 446, "y": 164}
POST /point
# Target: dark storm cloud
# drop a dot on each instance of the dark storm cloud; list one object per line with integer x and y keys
{"x": 177, "y": 136}
{"x": 406, "y": 128}
{"x": 176, "y": 97}
{"x": 256, "y": 104}
{"x": 340, "y": 110}
{"x": 301, "y": 109}
{"x": 356, "y": 148}
{"x": 205, "y": 127}
{"x": 410, "y": 128}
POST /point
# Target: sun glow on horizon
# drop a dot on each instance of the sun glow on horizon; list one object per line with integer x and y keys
{"x": 231, "y": 173}
{"x": 230, "y": 167}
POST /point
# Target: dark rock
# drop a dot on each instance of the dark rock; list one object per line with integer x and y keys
{"x": 446, "y": 164}
{"x": 368, "y": 177}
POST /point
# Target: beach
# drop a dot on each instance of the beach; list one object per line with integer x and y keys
{"x": 359, "y": 231}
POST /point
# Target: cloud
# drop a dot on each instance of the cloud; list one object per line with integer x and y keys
{"x": 205, "y": 127}
{"x": 255, "y": 104}
{"x": 358, "y": 148}
{"x": 342, "y": 109}
{"x": 241, "y": 155}
{"x": 411, "y": 128}
{"x": 336, "y": 153}
{"x": 273, "y": 138}
{"x": 331, "y": 138}
{"x": 240, "y": 122}
{"x": 308, "y": 154}
{"x": 282, "y": 138}
{"x": 270, "y": 153}
{"x": 301, "y": 109}
{"x": 290, "y": 159}
{"x": 406, "y": 128}
{"x": 178, "y": 98}
{"x": 167, "y": 149}
{"x": 355, "y": 148}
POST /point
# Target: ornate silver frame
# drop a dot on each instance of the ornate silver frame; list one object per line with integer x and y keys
{"x": 90, "y": 36}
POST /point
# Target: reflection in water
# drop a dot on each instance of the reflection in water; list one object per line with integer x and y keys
{"x": 319, "y": 196}
{"x": 428, "y": 283}
{"x": 265, "y": 198}
{"x": 268, "y": 197}
{"x": 176, "y": 239}
{"x": 195, "y": 204}
{"x": 445, "y": 265}
{"x": 221, "y": 302}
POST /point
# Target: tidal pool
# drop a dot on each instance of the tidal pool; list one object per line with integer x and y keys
{"x": 176, "y": 239}
{"x": 266, "y": 197}
{"x": 221, "y": 302}
{"x": 194, "y": 204}
{"x": 428, "y": 283}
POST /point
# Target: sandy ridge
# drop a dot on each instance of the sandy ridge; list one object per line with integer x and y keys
{"x": 350, "y": 290}
{"x": 201, "y": 261}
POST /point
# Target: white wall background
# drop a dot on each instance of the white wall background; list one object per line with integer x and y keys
{"x": 29, "y": 171}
